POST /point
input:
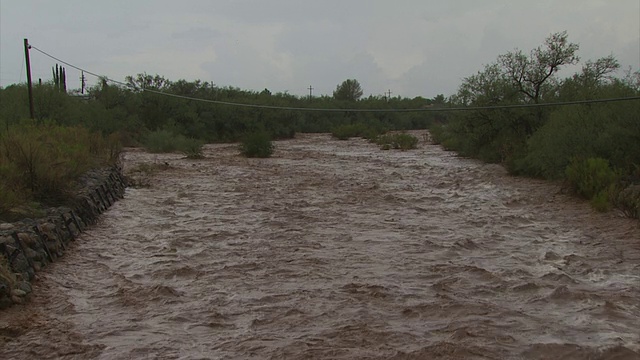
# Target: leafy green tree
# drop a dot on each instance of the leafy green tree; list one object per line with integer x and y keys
{"x": 349, "y": 90}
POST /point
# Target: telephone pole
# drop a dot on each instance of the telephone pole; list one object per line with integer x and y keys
{"x": 310, "y": 92}
{"x": 83, "y": 82}
{"x": 29, "y": 86}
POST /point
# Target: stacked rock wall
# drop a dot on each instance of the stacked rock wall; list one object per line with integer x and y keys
{"x": 28, "y": 245}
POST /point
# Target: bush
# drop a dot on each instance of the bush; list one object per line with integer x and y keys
{"x": 628, "y": 201}
{"x": 257, "y": 145}
{"x": 164, "y": 141}
{"x": 192, "y": 148}
{"x": 590, "y": 177}
{"x": 160, "y": 141}
{"x": 397, "y": 141}
{"x": 406, "y": 141}
{"x": 601, "y": 202}
{"x": 373, "y": 132}
{"x": 345, "y": 132}
{"x": 595, "y": 180}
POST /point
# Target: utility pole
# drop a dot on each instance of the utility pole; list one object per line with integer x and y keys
{"x": 310, "y": 91}
{"x": 29, "y": 86}
{"x": 389, "y": 93}
{"x": 83, "y": 82}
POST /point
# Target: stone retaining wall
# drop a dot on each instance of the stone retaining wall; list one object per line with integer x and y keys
{"x": 29, "y": 245}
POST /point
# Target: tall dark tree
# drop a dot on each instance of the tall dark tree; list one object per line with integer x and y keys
{"x": 349, "y": 90}
{"x": 531, "y": 73}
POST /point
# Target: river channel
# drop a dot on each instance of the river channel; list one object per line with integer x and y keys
{"x": 337, "y": 250}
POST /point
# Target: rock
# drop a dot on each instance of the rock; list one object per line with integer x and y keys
{"x": 24, "y": 286}
{"x": 17, "y": 299}
{"x": 18, "y": 292}
{"x": 550, "y": 255}
{"x": 32, "y": 254}
{"x": 6, "y": 240}
{"x": 20, "y": 263}
{"x": 26, "y": 239}
{"x": 6, "y": 227}
{"x": 49, "y": 230}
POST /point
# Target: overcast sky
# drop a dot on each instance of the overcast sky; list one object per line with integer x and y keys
{"x": 412, "y": 47}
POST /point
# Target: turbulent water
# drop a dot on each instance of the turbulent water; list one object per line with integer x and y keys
{"x": 337, "y": 250}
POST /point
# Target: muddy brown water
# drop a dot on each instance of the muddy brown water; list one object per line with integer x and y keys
{"x": 337, "y": 250}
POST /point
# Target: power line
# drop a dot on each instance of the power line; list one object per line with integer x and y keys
{"x": 78, "y": 68}
{"x": 425, "y": 109}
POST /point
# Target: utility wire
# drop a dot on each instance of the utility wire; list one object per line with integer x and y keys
{"x": 429, "y": 109}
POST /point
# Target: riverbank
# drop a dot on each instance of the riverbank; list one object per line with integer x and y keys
{"x": 29, "y": 245}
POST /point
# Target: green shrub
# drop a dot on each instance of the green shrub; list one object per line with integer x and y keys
{"x": 385, "y": 140}
{"x": 164, "y": 141}
{"x": 406, "y": 141}
{"x": 590, "y": 177}
{"x": 192, "y": 148}
{"x": 345, "y": 132}
{"x": 161, "y": 141}
{"x": 628, "y": 201}
{"x": 257, "y": 145}
{"x": 601, "y": 202}
{"x": 397, "y": 141}
{"x": 372, "y": 133}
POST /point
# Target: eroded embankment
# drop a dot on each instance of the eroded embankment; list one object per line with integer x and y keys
{"x": 335, "y": 249}
{"x": 27, "y": 246}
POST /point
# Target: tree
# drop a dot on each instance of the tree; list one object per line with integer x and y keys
{"x": 487, "y": 87}
{"x": 146, "y": 81}
{"x": 349, "y": 90}
{"x": 534, "y": 75}
{"x": 531, "y": 74}
{"x": 591, "y": 81}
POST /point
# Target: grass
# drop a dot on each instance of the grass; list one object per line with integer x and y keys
{"x": 39, "y": 165}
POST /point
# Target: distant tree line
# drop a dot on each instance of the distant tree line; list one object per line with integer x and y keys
{"x": 131, "y": 111}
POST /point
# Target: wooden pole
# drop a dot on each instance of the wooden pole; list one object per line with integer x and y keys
{"x": 29, "y": 86}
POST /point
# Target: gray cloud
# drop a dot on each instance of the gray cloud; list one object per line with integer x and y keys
{"x": 413, "y": 47}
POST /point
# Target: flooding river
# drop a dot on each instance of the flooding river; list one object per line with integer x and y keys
{"x": 337, "y": 250}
